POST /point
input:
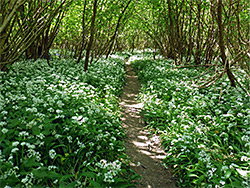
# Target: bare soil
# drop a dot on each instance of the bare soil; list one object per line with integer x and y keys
{"x": 142, "y": 147}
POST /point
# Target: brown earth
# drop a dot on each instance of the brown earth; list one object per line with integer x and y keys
{"x": 142, "y": 147}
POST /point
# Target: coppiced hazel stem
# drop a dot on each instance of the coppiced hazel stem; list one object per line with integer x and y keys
{"x": 222, "y": 45}
{"x": 92, "y": 33}
{"x": 116, "y": 29}
{"x": 10, "y": 16}
{"x": 83, "y": 32}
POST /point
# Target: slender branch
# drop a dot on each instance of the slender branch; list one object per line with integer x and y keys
{"x": 8, "y": 19}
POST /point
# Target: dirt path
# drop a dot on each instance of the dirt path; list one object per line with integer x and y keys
{"x": 142, "y": 147}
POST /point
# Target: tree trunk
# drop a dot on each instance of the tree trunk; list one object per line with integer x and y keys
{"x": 92, "y": 33}
{"x": 83, "y": 32}
{"x": 172, "y": 32}
{"x": 116, "y": 29}
{"x": 198, "y": 37}
{"x": 222, "y": 45}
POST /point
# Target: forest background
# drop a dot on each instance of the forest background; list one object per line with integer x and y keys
{"x": 211, "y": 33}
{"x": 59, "y": 89}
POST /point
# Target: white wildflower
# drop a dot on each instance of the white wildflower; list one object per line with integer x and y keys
{"x": 60, "y": 104}
{"x": 14, "y": 150}
{"x": 52, "y": 153}
{"x": 69, "y": 139}
{"x": 50, "y": 168}
{"x": 15, "y": 144}
{"x": 4, "y": 130}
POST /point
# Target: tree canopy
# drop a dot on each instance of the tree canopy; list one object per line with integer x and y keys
{"x": 210, "y": 33}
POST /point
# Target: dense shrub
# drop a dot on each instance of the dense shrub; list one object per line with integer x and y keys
{"x": 206, "y": 139}
{"x": 57, "y": 127}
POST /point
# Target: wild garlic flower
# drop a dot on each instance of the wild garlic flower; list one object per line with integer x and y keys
{"x": 4, "y": 130}
{"x": 15, "y": 143}
{"x": 27, "y": 181}
{"x": 59, "y": 111}
{"x": 41, "y": 136}
{"x": 69, "y": 139}
{"x": 60, "y": 104}
{"x": 80, "y": 144}
{"x": 52, "y": 153}
{"x": 2, "y": 123}
{"x": 4, "y": 113}
{"x": 108, "y": 177}
{"x": 50, "y": 168}
{"x": 14, "y": 150}
{"x": 23, "y": 133}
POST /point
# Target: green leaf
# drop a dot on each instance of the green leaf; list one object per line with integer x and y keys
{"x": 35, "y": 130}
{"x": 88, "y": 174}
{"x": 122, "y": 185}
{"x": 31, "y": 162}
{"x": 40, "y": 174}
{"x": 135, "y": 177}
{"x": 62, "y": 185}
{"x": 95, "y": 184}
{"x": 200, "y": 179}
{"x": 193, "y": 175}
{"x": 228, "y": 174}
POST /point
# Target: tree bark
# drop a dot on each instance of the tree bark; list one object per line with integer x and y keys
{"x": 198, "y": 37}
{"x": 222, "y": 45}
{"x": 116, "y": 29}
{"x": 92, "y": 33}
{"x": 172, "y": 32}
{"x": 17, "y": 40}
{"x": 83, "y": 32}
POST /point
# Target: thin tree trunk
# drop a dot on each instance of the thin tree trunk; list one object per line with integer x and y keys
{"x": 83, "y": 32}
{"x": 172, "y": 32}
{"x": 222, "y": 45}
{"x": 116, "y": 29}
{"x": 92, "y": 33}
{"x": 198, "y": 37}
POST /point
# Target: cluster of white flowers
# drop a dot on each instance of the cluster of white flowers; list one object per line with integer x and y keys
{"x": 31, "y": 110}
{"x": 91, "y": 144}
{"x": 99, "y": 137}
{"x": 28, "y": 180}
{"x": 14, "y": 171}
{"x": 45, "y": 96}
{"x": 80, "y": 144}
{"x": 52, "y": 153}
{"x": 51, "y": 168}
{"x": 69, "y": 139}
{"x": 88, "y": 154}
{"x": 246, "y": 139}
{"x": 33, "y": 153}
{"x": 31, "y": 124}
{"x": 113, "y": 169}
{"x": 2, "y": 157}
{"x": 210, "y": 173}
{"x": 23, "y": 134}
{"x": 4, "y": 130}
{"x": 204, "y": 157}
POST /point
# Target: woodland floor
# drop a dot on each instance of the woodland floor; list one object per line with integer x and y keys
{"x": 142, "y": 147}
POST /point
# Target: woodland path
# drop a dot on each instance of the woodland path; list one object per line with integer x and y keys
{"x": 142, "y": 147}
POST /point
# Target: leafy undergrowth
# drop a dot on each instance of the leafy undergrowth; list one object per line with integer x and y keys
{"x": 60, "y": 126}
{"x": 207, "y": 140}
{"x": 138, "y": 54}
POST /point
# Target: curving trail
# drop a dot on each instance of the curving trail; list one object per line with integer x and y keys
{"x": 142, "y": 147}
